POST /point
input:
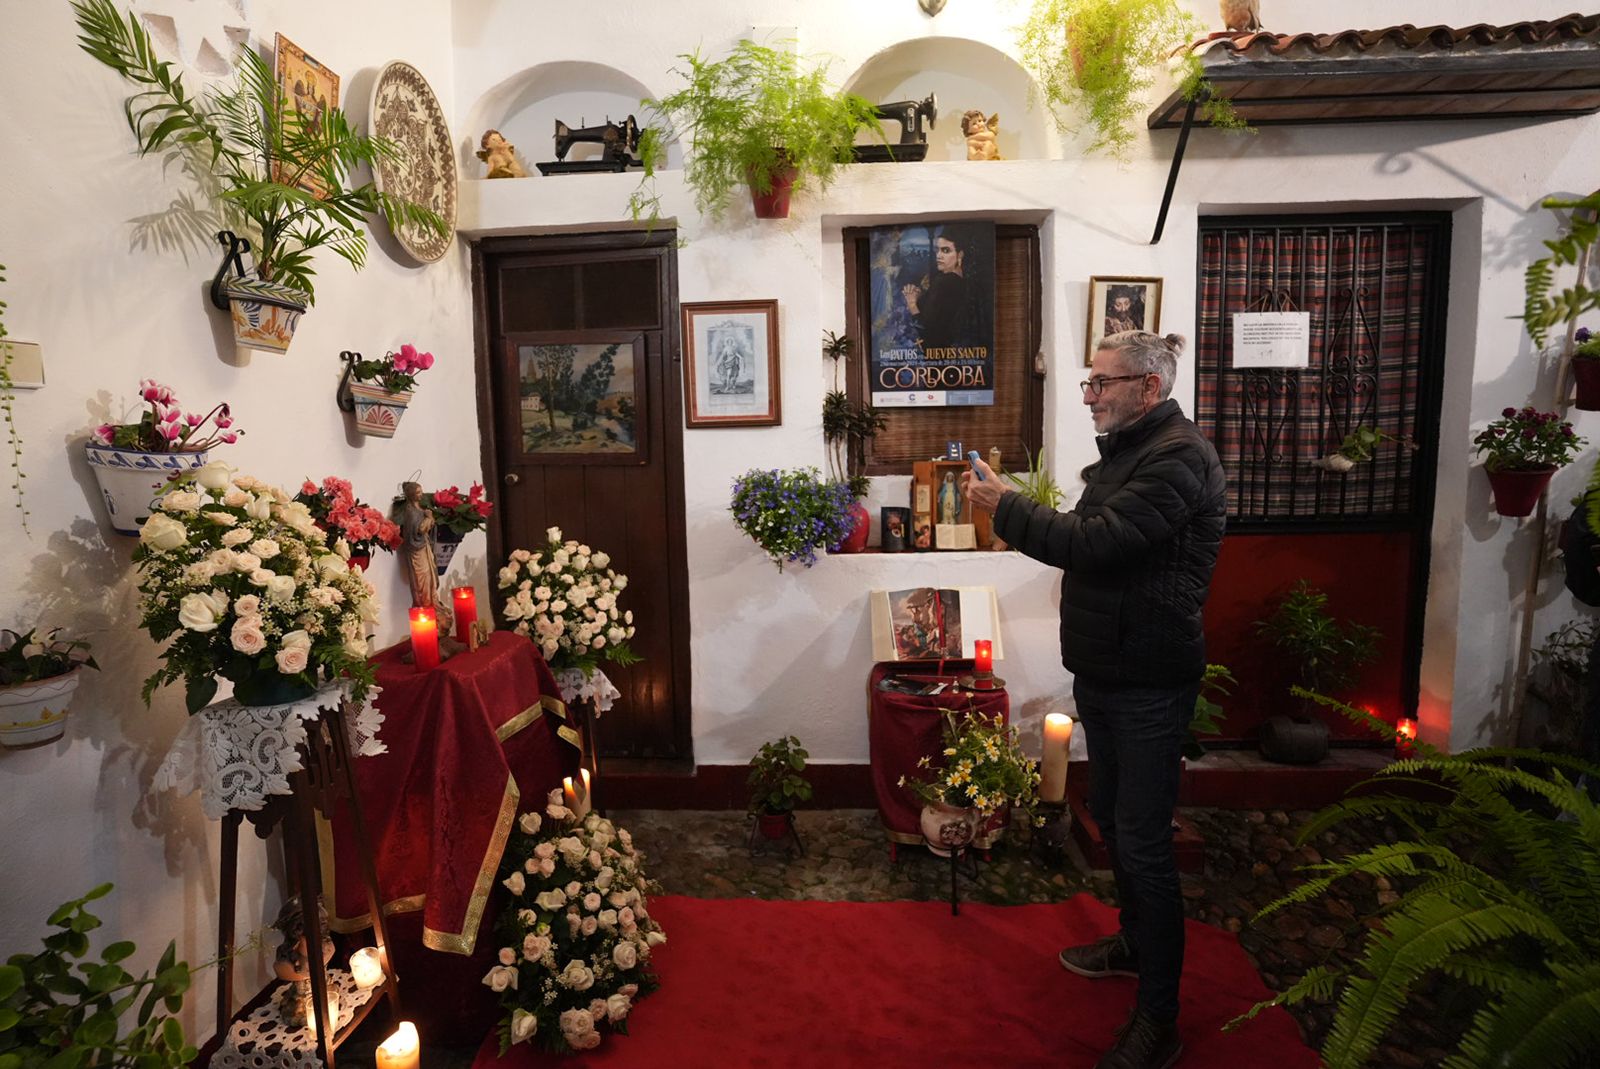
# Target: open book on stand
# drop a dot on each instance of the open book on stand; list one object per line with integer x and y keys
{"x": 930, "y": 624}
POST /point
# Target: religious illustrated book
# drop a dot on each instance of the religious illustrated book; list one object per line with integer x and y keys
{"x": 930, "y": 624}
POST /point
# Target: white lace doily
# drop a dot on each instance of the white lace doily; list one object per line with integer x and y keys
{"x": 596, "y": 688}
{"x": 237, "y": 755}
{"x": 262, "y": 1041}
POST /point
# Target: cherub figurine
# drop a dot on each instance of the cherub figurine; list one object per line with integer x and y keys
{"x": 980, "y": 134}
{"x": 292, "y": 963}
{"x": 1241, "y": 16}
{"x": 500, "y": 155}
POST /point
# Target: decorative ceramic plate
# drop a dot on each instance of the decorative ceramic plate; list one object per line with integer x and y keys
{"x": 405, "y": 111}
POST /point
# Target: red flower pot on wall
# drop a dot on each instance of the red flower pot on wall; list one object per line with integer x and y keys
{"x": 1517, "y": 491}
{"x": 774, "y": 204}
{"x": 1586, "y": 372}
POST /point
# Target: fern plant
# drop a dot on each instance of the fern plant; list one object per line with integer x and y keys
{"x": 1545, "y": 307}
{"x": 1500, "y": 858}
{"x": 1100, "y": 57}
{"x": 260, "y": 149}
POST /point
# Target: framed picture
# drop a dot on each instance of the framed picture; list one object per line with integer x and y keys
{"x": 730, "y": 364}
{"x": 311, "y": 91}
{"x": 580, "y": 397}
{"x": 1118, "y": 304}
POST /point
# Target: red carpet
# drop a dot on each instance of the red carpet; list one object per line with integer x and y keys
{"x": 747, "y": 983}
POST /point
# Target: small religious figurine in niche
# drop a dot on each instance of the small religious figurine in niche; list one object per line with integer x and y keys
{"x": 416, "y": 546}
{"x": 500, "y": 155}
{"x": 292, "y": 963}
{"x": 980, "y": 134}
{"x": 949, "y": 500}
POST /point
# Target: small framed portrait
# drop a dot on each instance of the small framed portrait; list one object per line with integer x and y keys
{"x": 310, "y": 90}
{"x": 1119, "y": 304}
{"x": 896, "y": 528}
{"x": 730, "y": 364}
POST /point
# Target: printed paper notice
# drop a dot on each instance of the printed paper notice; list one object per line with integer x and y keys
{"x": 1271, "y": 339}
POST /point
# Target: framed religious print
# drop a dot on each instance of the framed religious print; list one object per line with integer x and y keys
{"x": 730, "y": 364}
{"x": 1119, "y": 304}
{"x": 580, "y": 397}
{"x": 310, "y": 90}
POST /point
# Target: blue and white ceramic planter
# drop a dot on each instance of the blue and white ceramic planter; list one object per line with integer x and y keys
{"x": 131, "y": 479}
{"x": 264, "y": 314}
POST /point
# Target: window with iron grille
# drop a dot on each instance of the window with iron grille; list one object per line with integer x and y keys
{"x": 1375, "y": 288}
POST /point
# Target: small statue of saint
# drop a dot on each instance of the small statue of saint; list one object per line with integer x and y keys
{"x": 500, "y": 155}
{"x": 416, "y": 545}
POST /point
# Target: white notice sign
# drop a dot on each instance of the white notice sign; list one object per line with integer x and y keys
{"x": 1271, "y": 339}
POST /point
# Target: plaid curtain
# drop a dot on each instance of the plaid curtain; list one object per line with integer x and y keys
{"x": 1366, "y": 287}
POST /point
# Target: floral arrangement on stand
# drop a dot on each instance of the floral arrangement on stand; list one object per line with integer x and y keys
{"x": 981, "y": 771}
{"x": 132, "y": 460}
{"x": 362, "y": 528}
{"x": 790, "y": 514}
{"x": 1525, "y": 447}
{"x": 378, "y": 391}
{"x": 455, "y": 516}
{"x": 564, "y": 597}
{"x": 576, "y": 938}
{"x": 243, "y": 582}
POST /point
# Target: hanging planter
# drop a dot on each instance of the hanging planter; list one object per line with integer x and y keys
{"x": 36, "y": 713}
{"x": 773, "y": 204}
{"x": 264, "y": 313}
{"x": 130, "y": 480}
{"x": 1517, "y": 491}
{"x": 378, "y": 391}
{"x": 377, "y": 410}
{"x": 445, "y": 544}
{"x": 1586, "y": 372}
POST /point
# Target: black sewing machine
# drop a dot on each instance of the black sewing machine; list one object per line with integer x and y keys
{"x": 913, "y": 144}
{"x": 619, "y": 143}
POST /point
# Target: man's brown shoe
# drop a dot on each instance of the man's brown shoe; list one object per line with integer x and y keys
{"x": 1111, "y": 956}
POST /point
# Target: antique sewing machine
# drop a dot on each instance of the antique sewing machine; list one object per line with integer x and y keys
{"x": 619, "y": 143}
{"x": 913, "y": 143}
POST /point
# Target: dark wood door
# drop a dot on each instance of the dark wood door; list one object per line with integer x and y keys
{"x": 582, "y": 416}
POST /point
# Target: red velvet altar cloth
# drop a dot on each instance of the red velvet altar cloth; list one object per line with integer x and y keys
{"x": 466, "y": 741}
{"x": 904, "y": 728}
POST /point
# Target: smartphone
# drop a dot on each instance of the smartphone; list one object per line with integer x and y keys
{"x": 972, "y": 461}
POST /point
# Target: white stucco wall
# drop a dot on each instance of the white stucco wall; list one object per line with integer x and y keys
{"x": 109, "y": 312}
{"x": 771, "y": 653}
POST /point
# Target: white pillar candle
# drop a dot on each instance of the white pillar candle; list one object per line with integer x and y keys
{"x": 366, "y": 967}
{"x": 1057, "y": 746}
{"x": 402, "y": 1050}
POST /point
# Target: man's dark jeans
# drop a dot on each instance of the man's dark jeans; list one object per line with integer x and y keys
{"x": 1135, "y": 738}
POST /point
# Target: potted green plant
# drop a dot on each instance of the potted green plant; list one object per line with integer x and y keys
{"x": 777, "y": 784}
{"x": 1524, "y": 447}
{"x": 1100, "y": 57}
{"x": 38, "y": 675}
{"x": 1358, "y": 447}
{"x": 981, "y": 770}
{"x": 283, "y": 175}
{"x": 1208, "y": 715}
{"x": 1036, "y": 484}
{"x": 64, "y": 1008}
{"x": 762, "y": 117}
{"x": 1322, "y": 655}
{"x": 791, "y": 514}
{"x": 455, "y": 515}
{"x": 846, "y": 428}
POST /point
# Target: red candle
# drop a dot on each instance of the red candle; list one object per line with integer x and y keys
{"x": 1405, "y": 737}
{"x": 424, "y": 638}
{"x": 465, "y": 599}
{"x": 985, "y": 656}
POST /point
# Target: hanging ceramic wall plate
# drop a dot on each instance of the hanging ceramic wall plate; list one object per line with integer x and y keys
{"x": 405, "y": 111}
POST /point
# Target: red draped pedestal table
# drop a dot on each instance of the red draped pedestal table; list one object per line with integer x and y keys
{"x": 470, "y": 745}
{"x": 904, "y": 728}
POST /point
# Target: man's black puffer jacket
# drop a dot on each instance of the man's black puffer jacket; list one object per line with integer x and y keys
{"x": 1138, "y": 550}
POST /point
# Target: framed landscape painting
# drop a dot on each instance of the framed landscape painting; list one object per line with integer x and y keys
{"x": 730, "y": 364}
{"x": 580, "y": 397}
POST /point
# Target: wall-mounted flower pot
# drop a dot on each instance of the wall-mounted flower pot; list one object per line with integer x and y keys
{"x": 1517, "y": 491}
{"x": 264, "y": 313}
{"x": 361, "y": 560}
{"x": 35, "y": 713}
{"x": 131, "y": 479}
{"x": 775, "y": 203}
{"x": 377, "y": 410}
{"x": 1586, "y": 372}
{"x": 445, "y": 544}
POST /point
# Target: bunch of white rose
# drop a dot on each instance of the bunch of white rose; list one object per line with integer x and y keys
{"x": 565, "y": 598}
{"x": 577, "y": 935}
{"x": 243, "y": 581}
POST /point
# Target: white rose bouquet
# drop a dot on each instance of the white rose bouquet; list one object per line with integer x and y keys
{"x": 564, "y": 597}
{"x": 576, "y": 937}
{"x": 244, "y": 583}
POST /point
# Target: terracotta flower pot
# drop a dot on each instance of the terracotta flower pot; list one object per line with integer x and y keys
{"x": 1517, "y": 490}
{"x": 36, "y": 713}
{"x": 948, "y": 827}
{"x": 1586, "y": 372}
{"x": 773, "y": 825}
{"x": 378, "y": 411}
{"x": 130, "y": 480}
{"x": 774, "y": 204}
{"x": 856, "y": 540}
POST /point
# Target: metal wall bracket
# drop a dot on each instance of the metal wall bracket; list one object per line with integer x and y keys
{"x": 1177, "y": 164}
{"x": 236, "y": 247}
{"x": 345, "y": 402}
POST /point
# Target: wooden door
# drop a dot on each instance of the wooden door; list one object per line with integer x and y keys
{"x": 594, "y": 316}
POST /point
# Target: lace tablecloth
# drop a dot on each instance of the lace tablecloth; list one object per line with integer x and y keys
{"x": 262, "y": 1041}
{"x": 238, "y": 755}
{"x": 597, "y": 688}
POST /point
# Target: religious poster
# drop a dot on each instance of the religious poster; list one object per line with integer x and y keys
{"x": 932, "y": 332}
{"x": 1271, "y": 339}
{"x": 310, "y": 90}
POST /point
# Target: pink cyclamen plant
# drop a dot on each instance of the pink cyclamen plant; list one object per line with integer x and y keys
{"x": 396, "y": 372}
{"x": 164, "y": 427}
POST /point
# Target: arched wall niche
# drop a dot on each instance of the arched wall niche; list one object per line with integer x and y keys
{"x": 965, "y": 74}
{"x": 525, "y": 106}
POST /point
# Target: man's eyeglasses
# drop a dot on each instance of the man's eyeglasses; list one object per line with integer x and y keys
{"x": 1097, "y": 385}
